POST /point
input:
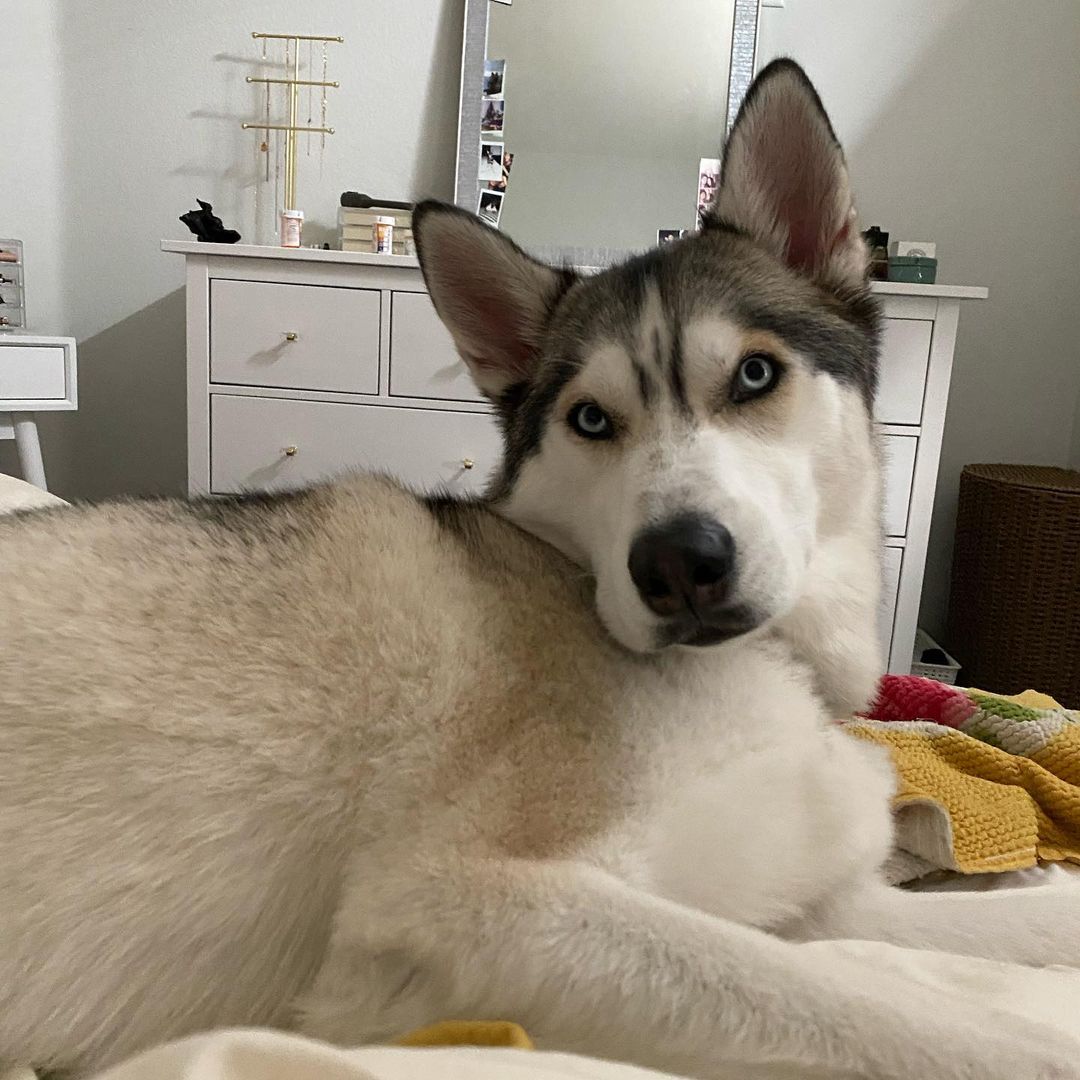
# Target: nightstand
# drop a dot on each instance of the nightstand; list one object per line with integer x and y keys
{"x": 37, "y": 374}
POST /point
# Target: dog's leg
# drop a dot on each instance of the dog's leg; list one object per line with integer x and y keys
{"x": 588, "y": 963}
{"x": 1038, "y": 925}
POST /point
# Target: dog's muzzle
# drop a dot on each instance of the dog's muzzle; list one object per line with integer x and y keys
{"x": 684, "y": 571}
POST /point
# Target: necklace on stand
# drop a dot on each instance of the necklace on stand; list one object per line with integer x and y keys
{"x": 310, "y": 96}
{"x": 284, "y": 150}
{"x": 322, "y": 113}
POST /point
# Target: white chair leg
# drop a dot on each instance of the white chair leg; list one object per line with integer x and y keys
{"x": 29, "y": 448}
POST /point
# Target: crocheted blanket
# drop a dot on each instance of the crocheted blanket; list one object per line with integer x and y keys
{"x": 987, "y": 783}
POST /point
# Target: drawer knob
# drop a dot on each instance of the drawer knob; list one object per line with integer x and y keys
{"x": 291, "y": 335}
{"x": 467, "y": 463}
{"x": 290, "y": 451}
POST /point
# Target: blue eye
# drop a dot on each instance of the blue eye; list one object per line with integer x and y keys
{"x": 590, "y": 421}
{"x": 757, "y": 375}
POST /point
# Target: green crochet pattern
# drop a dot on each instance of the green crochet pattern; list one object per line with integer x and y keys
{"x": 1000, "y": 707}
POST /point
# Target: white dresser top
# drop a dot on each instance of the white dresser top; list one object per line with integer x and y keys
{"x": 302, "y": 254}
{"x": 365, "y": 258}
{"x": 21, "y": 337}
{"x": 944, "y": 292}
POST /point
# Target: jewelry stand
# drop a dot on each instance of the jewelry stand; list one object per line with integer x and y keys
{"x": 293, "y": 84}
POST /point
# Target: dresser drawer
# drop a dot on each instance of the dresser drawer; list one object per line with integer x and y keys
{"x": 899, "y": 453}
{"x": 423, "y": 360}
{"x": 251, "y": 439}
{"x": 30, "y": 372}
{"x": 306, "y": 337}
{"x": 905, "y": 355}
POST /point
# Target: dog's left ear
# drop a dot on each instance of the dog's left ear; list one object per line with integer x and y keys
{"x": 494, "y": 299}
{"x": 784, "y": 180}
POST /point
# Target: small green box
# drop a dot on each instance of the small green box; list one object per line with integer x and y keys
{"x": 916, "y": 269}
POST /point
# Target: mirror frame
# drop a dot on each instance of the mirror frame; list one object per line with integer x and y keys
{"x": 744, "y": 33}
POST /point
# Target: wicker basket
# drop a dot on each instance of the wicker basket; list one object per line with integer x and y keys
{"x": 1014, "y": 611}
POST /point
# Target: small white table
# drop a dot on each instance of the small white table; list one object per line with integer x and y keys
{"x": 37, "y": 374}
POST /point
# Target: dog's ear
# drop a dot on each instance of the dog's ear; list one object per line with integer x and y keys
{"x": 494, "y": 299}
{"x": 785, "y": 183}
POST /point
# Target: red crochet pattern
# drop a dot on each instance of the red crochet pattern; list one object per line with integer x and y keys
{"x": 910, "y": 697}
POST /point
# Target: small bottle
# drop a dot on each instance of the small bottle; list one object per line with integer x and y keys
{"x": 384, "y": 235}
{"x": 292, "y": 225}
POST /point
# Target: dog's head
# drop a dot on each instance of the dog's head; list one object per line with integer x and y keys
{"x": 692, "y": 424}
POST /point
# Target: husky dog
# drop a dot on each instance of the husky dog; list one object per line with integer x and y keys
{"x": 351, "y": 760}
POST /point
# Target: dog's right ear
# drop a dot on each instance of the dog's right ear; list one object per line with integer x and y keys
{"x": 494, "y": 299}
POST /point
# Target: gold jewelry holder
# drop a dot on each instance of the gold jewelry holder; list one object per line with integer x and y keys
{"x": 294, "y": 82}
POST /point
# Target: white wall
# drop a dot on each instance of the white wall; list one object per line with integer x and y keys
{"x": 30, "y": 179}
{"x": 30, "y": 156}
{"x": 606, "y": 141}
{"x": 598, "y": 201}
{"x": 116, "y": 115}
{"x": 960, "y": 119}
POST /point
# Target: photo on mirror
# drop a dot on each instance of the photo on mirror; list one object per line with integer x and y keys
{"x": 490, "y": 207}
{"x": 494, "y": 78}
{"x": 492, "y": 115}
{"x": 708, "y": 180}
{"x": 491, "y": 162}
{"x": 500, "y": 184}
{"x": 665, "y": 236}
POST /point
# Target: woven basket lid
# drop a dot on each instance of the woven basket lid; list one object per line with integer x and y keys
{"x": 1040, "y": 477}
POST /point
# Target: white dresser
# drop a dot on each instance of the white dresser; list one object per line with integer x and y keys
{"x": 303, "y": 363}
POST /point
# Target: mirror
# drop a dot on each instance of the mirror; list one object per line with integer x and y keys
{"x": 606, "y": 116}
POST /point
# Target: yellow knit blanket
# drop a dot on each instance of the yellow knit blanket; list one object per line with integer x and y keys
{"x": 986, "y": 783}
{"x": 469, "y": 1033}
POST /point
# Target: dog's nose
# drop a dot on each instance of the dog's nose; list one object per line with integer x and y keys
{"x": 683, "y": 564}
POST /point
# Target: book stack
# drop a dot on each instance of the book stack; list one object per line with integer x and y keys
{"x": 356, "y": 228}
